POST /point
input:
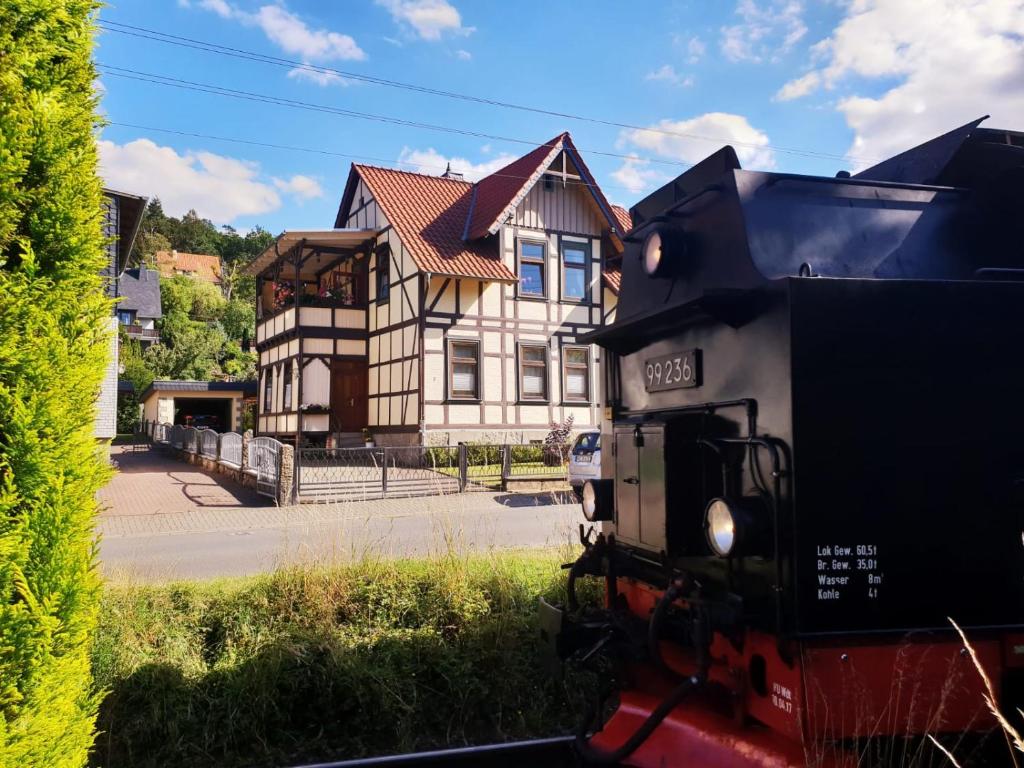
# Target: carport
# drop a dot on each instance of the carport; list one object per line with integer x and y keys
{"x": 214, "y": 404}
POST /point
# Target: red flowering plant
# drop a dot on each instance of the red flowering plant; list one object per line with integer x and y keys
{"x": 284, "y": 294}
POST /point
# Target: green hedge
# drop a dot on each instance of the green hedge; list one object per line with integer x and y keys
{"x": 52, "y": 356}
{"x": 308, "y": 665}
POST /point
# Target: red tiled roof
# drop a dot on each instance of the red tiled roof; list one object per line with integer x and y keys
{"x": 429, "y": 213}
{"x": 496, "y": 193}
{"x": 612, "y": 278}
{"x": 623, "y": 218}
{"x": 201, "y": 265}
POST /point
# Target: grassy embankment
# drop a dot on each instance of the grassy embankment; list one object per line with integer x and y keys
{"x": 310, "y": 664}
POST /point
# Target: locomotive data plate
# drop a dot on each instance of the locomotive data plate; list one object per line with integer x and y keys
{"x": 676, "y": 370}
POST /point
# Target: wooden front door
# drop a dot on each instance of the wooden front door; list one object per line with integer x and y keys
{"x": 348, "y": 395}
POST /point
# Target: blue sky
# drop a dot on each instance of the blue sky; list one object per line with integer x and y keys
{"x": 845, "y": 83}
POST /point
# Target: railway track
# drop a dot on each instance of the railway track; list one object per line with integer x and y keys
{"x": 556, "y": 752}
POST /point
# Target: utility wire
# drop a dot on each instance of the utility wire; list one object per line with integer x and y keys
{"x": 346, "y": 155}
{"x": 241, "y": 53}
{"x": 149, "y": 77}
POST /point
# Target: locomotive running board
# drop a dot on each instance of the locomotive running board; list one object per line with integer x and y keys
{"x": 554, "y": 752}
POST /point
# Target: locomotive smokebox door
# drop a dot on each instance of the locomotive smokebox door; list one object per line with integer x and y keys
{"x": 640, "y": 517}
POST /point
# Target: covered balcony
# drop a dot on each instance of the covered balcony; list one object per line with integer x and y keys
{"x": 312, "y": 291}
{"x": 312, "y": 278}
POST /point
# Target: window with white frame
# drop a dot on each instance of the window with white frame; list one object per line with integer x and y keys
{"x": 531, "y": 268}
{"x": 533, "y": 372}
{"x": 574, "y": 270}
{"x": 576, "y": 373}
{"x": 464, "y": 370}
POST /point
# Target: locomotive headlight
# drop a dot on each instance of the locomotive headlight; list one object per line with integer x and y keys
{"x": 664, "y": 251}
{"x": 653, "y": 253}
{"x": 720, "y": 525}
{"x": 597, "y": 500}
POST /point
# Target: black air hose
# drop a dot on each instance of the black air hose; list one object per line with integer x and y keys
{"x": 675, "y": 590}
{"x": 699, "y": 629}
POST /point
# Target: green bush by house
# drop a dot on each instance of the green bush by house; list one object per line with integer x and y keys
{"x": 314, "y": 664}
{"x": 52, "y": 356}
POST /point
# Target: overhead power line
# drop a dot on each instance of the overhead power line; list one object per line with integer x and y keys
{"x": 331, "y": 153}
{"x": 241, "y": 53}
{"x": 191, "y": 85}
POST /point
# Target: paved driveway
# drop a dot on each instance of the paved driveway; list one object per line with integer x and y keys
{"x": 165, "y": 519}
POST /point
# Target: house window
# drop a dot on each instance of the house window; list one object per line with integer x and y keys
{"x": 531, "y": 269}
{"x": 287, "y": 386}
{"x": 126, "y": 316}
{"x": 383, "y": 274}
{"x": 463, "y": 370}
{"x": 533, "y": 372}
{"x": 574, "y": 271}
{"x": 576, "y": 373}
{"x": 268, "y": 390}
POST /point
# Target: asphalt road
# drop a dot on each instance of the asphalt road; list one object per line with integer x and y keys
{"x": 344, "y": 532}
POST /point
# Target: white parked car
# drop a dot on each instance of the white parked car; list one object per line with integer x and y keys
{"x": 585, "y": 460}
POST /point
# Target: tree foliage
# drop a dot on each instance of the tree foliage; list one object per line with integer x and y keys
{"x": 54, "y": 320}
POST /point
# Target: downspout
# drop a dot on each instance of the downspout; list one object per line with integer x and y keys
{"x": 425, "y": 278}
{"x": 297, "y": 400}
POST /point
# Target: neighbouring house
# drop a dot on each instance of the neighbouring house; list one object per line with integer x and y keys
{"x": 218, "y": 405}
{"x": 122, "y": 215}
{"x": 139, "y": 307}
{"x": 439, "y": 310}
{"x": 201, "y": 266}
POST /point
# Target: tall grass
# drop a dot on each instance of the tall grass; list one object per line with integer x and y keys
{"x": 316, "y": 663}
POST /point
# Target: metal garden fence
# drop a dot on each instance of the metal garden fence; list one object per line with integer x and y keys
{"x": 339, "y": 474}
{"x": 231, "y": 449}
{"x": 191, "y": 439}
{"x": 265, "y": 463}
{"x": 208, "y": 444}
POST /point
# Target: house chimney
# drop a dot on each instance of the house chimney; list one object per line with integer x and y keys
{"x": 450, "y": 174}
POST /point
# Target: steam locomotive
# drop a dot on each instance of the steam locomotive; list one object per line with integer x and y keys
{"x": 817, "y": 460}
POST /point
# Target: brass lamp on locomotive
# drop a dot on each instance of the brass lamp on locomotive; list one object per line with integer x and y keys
{"x": 817, "y": 446}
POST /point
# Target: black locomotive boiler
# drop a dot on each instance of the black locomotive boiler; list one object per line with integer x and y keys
{"x": 816, "y": 433}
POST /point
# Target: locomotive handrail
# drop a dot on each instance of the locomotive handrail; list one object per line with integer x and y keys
{"x": 632, "y": 236}
{"x": 776, "y": 178}
{"x": 746, "y": 402}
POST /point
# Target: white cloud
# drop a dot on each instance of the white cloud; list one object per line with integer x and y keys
{"x": 636, "y": 175}
{"x": 299, "y": 186}
{"x": 219, "y": 188}
{"x": 801, "y": 86}
{"x": 668, "y": 74}
{"x": 463, "y": 55}
{"x": 959, "y": 60}
{"x": 432, "y": 162}
{"x": 318, "y": 76}
{"x": 695, "y": 48}
{"x": 690, "y": 141}
{"x": 293, "y": 36}
{"x": 764, "y": 31}
{"x": 429, "y": 19}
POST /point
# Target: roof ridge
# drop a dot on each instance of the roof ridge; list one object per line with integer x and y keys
{"x": 411, "y": 173}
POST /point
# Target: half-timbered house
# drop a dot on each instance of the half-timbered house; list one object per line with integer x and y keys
{"x": 438, "y": 310}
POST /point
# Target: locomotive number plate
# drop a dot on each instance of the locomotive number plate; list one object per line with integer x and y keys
{"x": 673, "y": 371}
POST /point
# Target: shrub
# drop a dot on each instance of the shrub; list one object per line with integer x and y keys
{"x": 52, "y": 357}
